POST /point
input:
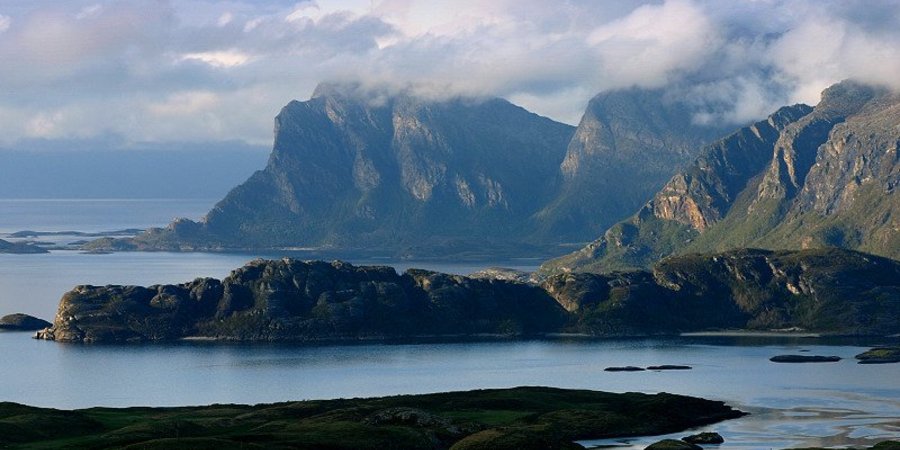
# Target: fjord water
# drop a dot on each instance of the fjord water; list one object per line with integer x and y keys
{"x": 791, "y": 404}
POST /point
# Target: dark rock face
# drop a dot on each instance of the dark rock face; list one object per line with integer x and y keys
{"x": 20, "y": 248}
{"x": 830, "y": 291}
{"x": 295, "y": 300}
{"x": 827, "y": 291}
{"x": 22, "y": 322}
{"x": 804, "y": 178}
{"x": 804, "y": 359}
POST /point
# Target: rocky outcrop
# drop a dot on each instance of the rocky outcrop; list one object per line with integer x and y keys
{"x": 291, "y": 300}
{"x": 823, "y": 291}
{"x": 880, "y": 355}
{"x": 829, "y": 291}
{"x": 20, "y": 248}
{"x": 804, "y": 178}
{"x": 22, "y": 322}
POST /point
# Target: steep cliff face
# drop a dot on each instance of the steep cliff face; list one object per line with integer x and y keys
{"x": 628, "y": 143}
{"x": 804, "y": 178}
{"x": 355, "y": 171}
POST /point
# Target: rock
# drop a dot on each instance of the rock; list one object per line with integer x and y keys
{"x": 292, "y": 300}
{"x": 804, "y": 359}
{"x": 804, "y": 178}
{"x": 672, "y": 444}
{"x": 502, "y": 273}
{"x": 880, "y": 355}
{"x": 22, "y": 248}
{"x": 669, "y": 367}
{"x": 624, "y": 369}
{"x": 704, "y": 438}
{"x": 22, "y": 322}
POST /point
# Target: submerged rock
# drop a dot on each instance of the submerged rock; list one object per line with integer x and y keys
{"x": 624, "y": 369}
{"x": 804, "y": 359}
{"x": 669, "y": 367}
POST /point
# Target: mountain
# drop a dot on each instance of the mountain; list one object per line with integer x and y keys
{"x": 628, "y": 143}
{"x": 351, "y": 170}
{"x": 830, "y": 291}
{"x": 803, "y": 178}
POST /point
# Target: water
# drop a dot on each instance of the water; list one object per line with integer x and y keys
{"x": 96, "y": 215}
{"x": 792, "y": 405}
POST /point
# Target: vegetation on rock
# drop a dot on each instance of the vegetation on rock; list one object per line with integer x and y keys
{"x": 517, "y": 418}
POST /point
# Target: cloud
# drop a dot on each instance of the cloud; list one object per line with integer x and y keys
{"x": 222, "y": 58}
{"x": 207, "y": 70}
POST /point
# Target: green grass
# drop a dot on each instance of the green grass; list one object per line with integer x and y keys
{"x": 503, "y": 418}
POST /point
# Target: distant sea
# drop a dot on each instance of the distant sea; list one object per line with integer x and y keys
{"x": 96, "y": 215}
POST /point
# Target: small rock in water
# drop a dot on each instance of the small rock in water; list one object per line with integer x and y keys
{"x": 804, "y": 359}
{"x": 672, "y": 444}
{"x": 22, "y": 322}
{"x": 669, "y": 367}
{"x": 704, "y": 438}
{"x": 880, "y": 355}
{"x": 624, "y": 369}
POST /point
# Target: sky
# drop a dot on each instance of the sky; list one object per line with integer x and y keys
{"x": 196, "y": 71}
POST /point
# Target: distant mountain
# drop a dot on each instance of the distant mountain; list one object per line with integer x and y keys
{"x": 628, "y": 143}
{"x": 415, "y": 176}
{"x": 66, "y": 169}
{"x": 803, "y": 178}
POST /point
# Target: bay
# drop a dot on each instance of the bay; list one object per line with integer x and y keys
{"x": 831, "y": 404}
{"x": 835, "y": 404}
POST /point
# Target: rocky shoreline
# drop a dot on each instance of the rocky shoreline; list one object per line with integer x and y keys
{"x": 825, "y": 292}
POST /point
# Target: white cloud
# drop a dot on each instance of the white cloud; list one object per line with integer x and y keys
{"x": 225, "y": 19}
{"x": 202, "y": 69}
{"x": 221, "y": 58}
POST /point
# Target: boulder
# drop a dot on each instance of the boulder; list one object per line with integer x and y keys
{"x": 672, "y": 444}
{"x": 704, "y": 438}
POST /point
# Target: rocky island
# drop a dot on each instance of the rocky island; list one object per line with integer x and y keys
{"x": 22, "y": 322}
{"x": 827, "y": 291}
{"x": 20, "y": 247}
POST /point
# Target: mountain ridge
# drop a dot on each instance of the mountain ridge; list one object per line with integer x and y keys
{"x": 802, "y": 187}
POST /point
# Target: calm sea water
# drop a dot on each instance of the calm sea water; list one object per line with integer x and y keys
{"x": 791, "y": 404}
{"x": 834, "y": 404}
